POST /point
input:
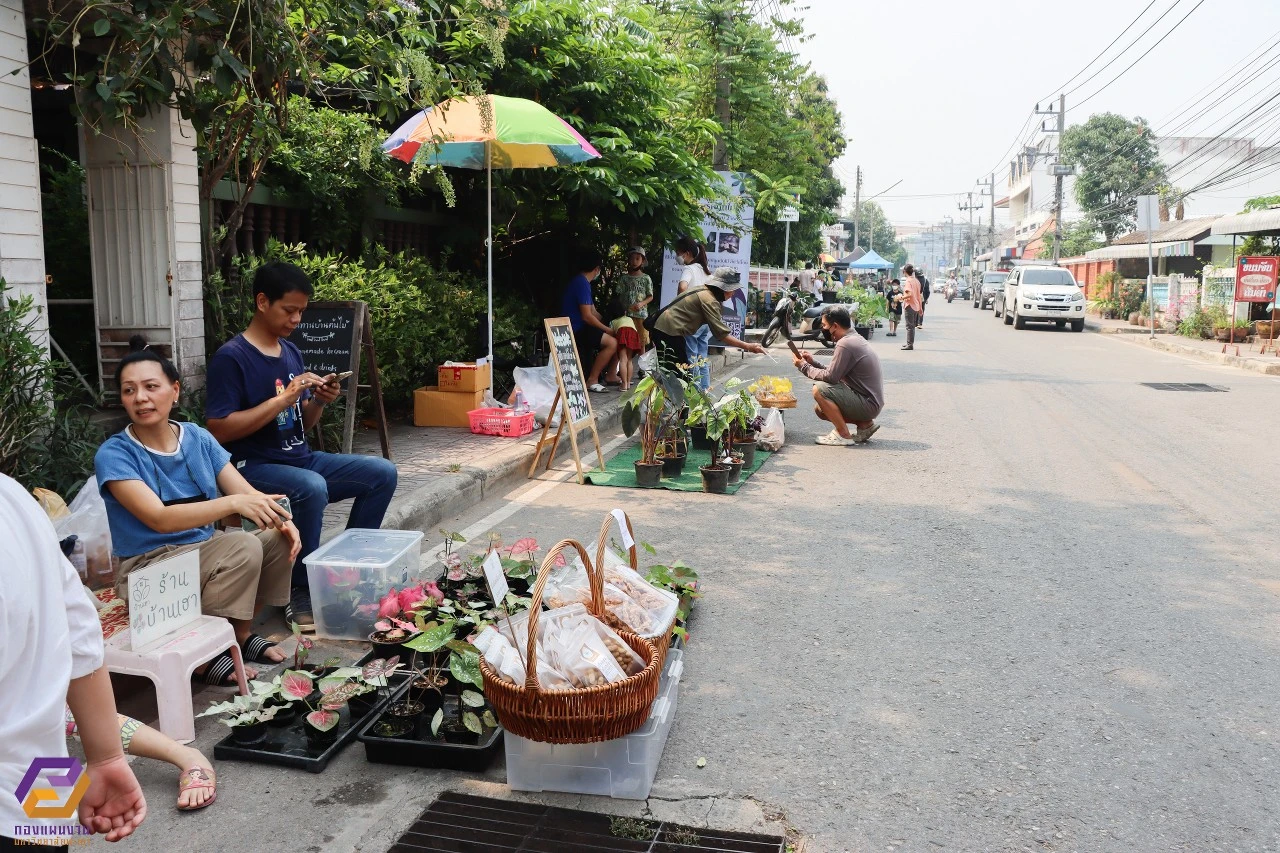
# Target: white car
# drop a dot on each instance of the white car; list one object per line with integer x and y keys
{"x": 1046, "y": 294}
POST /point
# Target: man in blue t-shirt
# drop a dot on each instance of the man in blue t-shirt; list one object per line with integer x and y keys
{"x": 262, "y": 400}
{"x": 590, "y": 331}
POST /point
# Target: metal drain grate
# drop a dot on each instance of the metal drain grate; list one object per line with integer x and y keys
{"x": 457, "y": 823}
{"x": 824, "y": 351}
{"x": 1184, "y": 386}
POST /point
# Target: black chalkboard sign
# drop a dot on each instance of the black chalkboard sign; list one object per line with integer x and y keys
{"x": 329, "y": 337}
{"x": 572, "y": 389}
{"x": 564, "y": 353}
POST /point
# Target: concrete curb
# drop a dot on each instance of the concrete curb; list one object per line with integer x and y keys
{"x": 1169, "y": 344}
{"x": 452, "y": 494}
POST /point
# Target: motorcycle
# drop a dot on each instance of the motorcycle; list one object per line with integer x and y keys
{"x": 811, "y": 326}
{"x": 951, "y": 292}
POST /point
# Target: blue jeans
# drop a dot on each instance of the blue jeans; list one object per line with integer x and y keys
{"x": 697, "y": 346}
{"x": 323, "y": 479}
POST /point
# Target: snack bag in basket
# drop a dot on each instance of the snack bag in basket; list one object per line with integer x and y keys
{"x": 577, "y": 653}
{"x": 647, "y": 610}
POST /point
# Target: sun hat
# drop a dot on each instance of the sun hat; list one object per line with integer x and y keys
{"x": 726, "y": 278}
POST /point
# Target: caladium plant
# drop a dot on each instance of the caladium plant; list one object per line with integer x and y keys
{"x": 245, "y": 710}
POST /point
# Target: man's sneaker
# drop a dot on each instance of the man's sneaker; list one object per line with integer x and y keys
{"x": 864, "y": 435}
{"x": 834, "y": 439}
{"x": 298, "y": 610}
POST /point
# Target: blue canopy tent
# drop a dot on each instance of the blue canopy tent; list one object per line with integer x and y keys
{"x": 870, "y": 261}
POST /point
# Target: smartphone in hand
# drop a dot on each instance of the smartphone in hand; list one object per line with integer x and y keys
{"x": 338, "y": 377}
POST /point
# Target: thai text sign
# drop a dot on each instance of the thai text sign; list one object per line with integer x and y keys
{"x": 1256, "y": 279}
{"x": 164, "y": 597}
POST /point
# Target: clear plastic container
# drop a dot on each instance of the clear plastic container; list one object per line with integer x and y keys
{"x": 352, "y": 571}
{"x": 622, "y": 768}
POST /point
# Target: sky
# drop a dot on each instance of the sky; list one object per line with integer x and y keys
{"x": 935, "y": 93}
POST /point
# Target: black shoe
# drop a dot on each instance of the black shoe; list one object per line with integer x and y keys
{"x": 891, "y": 334}
{"x": 298, "y": 610}
{"x": 907, "y": 346}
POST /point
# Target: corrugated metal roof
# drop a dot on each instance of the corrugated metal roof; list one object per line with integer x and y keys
{"x": 1184, "y": 229}
{"x": 1257, "y": 222}
{"x": 1163, "y": 249}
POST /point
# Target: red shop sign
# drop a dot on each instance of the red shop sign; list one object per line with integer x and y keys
{"x": 1256, "y": 279}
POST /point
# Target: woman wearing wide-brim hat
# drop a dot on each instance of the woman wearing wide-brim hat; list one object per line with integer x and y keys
{"x": 699, "y": 305}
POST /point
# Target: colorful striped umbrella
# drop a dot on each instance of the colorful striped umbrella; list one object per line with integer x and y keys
{"x": 521, "y": 134}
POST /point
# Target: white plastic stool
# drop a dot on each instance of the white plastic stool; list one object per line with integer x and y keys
{"x": 169, "y": 663}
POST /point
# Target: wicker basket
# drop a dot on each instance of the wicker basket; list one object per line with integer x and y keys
{"x": 583, "y": 715}
{"x": 660, "y": 643}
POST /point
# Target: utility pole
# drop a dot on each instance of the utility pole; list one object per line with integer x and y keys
{"x": 969, "y": 234}
{"x": 991, "y": 229}
{"x": 857, "y": 206}
{"x": 1059, "y": 173}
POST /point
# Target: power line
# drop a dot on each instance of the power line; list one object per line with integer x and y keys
{"x": 1141, "y": 56}
{"x": 1130, "y": 45}
{"x": 1100, "y": 55}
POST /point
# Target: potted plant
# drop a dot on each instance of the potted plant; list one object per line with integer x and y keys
{"x": 742, "y": 413}
{"x": 324, "y": 700}
{"x": 246, "y": 715}
{"x": 654, "y": 407}
{"x": 673, "y": 449}
{"x": 396, "y": 611}
{"x": 715, "y": 474}
{"x": 872, "y": 307}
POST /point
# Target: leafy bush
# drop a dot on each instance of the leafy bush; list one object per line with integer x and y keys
{"x": 45, "y": 439}
{"x": 422, "y": 315}
{"x": 1200, "y": 324}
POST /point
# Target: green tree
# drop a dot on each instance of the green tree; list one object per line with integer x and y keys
{"x": 1253, "y": 244}
{"x": 1077, "y": 238}
{"x": 1118, "y": 161}
{"x": 875, "y": 231}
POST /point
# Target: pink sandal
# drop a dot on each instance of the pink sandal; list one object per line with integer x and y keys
{"x": 194, "y": 779}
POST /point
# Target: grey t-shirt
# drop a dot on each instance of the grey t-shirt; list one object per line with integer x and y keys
{"x": 854, "y": 365}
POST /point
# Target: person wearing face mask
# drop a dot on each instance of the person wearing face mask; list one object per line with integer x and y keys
{"x": 596, "y": 343}
{"x": 165, "y": 483}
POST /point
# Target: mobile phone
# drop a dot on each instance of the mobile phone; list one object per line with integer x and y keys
{"x": 795, "y": 349}
{"x": 339, "y": 377}
{"x": 283, "y": 502}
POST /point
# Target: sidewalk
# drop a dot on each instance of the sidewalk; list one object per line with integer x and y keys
{"x": 1211, "y": 351}
{"x": 445, "y": 470}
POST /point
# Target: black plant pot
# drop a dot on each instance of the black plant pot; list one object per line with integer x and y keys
{"x": 735, "y": 472}
{"x": 386, "y": 651}
{"x": 865, "y": 331}
{"x": 673, "y": 466}
{"x": 318, "y": 739}
{"x": 363, "y": 704}
{"x": 421, "y": 691}
{"x": 748, "y": 451}
{"x": 830, "y": 296}
{"x": 337, "y": 617}
{"x": 249, "y": 734}
{"x": 648, "y": 474}
{"x": 408, "y": 710}
{"x": 698, "y": 437}
{"x": 715, "y": 480}
{"x": 285, "y": 716}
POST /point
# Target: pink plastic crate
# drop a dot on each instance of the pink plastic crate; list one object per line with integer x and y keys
{"x": 502, "y": 422}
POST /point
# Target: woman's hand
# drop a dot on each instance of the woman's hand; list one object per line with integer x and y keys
{"x": 290, "y": 532}
{"x": 113, "y": 804}
{"x": 261, "y": 509}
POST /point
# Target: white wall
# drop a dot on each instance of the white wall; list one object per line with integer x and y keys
{"x": 21, "y": 232}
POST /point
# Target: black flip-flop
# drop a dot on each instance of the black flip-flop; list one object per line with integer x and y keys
{"x": 220, "y": 669}
{"x": 255, "y": 647}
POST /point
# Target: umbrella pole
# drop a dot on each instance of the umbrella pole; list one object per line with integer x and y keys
{"x": 488, "y": 164}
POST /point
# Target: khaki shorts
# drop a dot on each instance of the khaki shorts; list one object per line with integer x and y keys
{"x": 854, "y": 407}
{"x": 238, "y": 571}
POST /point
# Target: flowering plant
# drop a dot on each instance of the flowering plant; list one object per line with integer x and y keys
{"x": 398, "y": 610}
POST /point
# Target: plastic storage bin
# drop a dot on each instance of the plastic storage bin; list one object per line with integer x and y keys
{"x": 622, "y": 768}
{"x": 352, "y": 571}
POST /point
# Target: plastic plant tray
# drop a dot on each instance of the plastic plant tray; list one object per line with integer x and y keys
{"x": 414, "y": 751}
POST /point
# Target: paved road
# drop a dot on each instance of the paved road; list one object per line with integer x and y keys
{"x": 1039, "y": 611}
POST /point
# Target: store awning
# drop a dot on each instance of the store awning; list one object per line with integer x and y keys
{"x": 1170, "y": 249}
{"x": 1257, "y": 222}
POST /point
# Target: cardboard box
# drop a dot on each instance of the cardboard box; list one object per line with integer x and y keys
{"x": 433, "y": 407}
{"x": 464, "y": 377}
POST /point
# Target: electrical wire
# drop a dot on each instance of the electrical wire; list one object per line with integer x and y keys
{"x": 1102, "y": 53}
{"x": 1129, "y": 46}
{"x": 1141, "y": 56}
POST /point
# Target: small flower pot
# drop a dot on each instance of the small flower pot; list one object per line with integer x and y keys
{"x": 337, "y": 617}
{"x": 249, "y": 734}
{"x": 422, "y": 691}
{"x": 410, "y": 710}
{"x": 735, "y": 471}
{"x": 673, "y": 466}
{"x": 648, "y": 474}
{"x": 318, "y": 739}
{"x": 362, "y": 704}
{"x": 285, "y": 716}
{"x": 698, "y": 438}
{"x": 748, "y": 450}
{"x": 865, "y": 331}
{"x": 715, "y": 479}
{"x": 387, "y": 650}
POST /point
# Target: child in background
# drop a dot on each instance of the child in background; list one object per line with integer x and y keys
{"x": 624, "y": 330}
{"x": 636, "y": 292}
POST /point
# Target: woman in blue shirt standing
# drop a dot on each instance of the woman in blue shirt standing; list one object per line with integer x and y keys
{"x": 166, "y": 483}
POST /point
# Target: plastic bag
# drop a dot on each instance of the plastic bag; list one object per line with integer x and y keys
{"x": 631, "y": 599}
{"x": 774, "y": 433}
{"x": 52, "y": 504}
{"x": 539, "y": 387}
{"x": 88, "y": 522}
{"x": 648, "y": 361}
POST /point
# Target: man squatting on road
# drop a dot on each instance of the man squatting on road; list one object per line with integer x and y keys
{"x": 850, "y": 390}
